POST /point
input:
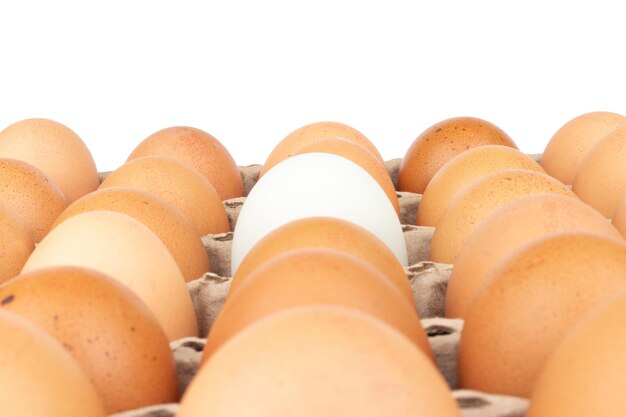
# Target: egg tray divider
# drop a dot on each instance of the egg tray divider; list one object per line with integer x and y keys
{"x": 428, "y": 281}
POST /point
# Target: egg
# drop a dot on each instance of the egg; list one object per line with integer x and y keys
{"x": 507, "y": 229}
{"x": 619, "y": 218}
{"x": 442, "y": 142}
{"x": 601, "y": 178}
{"x": 572, "y": 142}
{"x": 530, "y": 301}
{"x": 360, "y": 156}
{"x": 312, "y": 133}
{"x": 315, "y": 276}
{"x": 198, "y": 149}
{"x": 318, "y": 361}
{"x": 481, "y": 198}
{"x": 584, "y": 376}
{"x": 105, "y": 327}
{"x": 38, "y": 378}
{"x": 461, "y": 171}
{"x": 176, "y": 232}
{"x": 316, "y": 184}
{"x": 16, "y": 245}
{"x": 179, "y": 184}
{"x": 125, "y": 249}
{"x": 325, "y": 232}
{"x": 56, "y": 150}
{"x": 30, "y": 196}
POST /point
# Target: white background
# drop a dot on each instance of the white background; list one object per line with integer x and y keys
{"x": 251, "y": 72}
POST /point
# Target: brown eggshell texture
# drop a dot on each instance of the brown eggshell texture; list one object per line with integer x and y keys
{"x": 16, "y": 245}
{"x": 619, "y": 219}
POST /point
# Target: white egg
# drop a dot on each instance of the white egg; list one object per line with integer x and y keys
{"x": 316, "y": 184}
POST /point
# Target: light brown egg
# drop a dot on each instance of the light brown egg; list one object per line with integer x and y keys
{"x": 312, "y": 133}
{"x": 601, "y": 177}
{"x": 571, "y": 143}
{"x": 442, "y": 142}
{"x": 16, "y": 245}
{"x": 530, "y": 302}
{"x": 619, "y": 218}
{"x": 179, "y": 184}
{"x": 584, "y": 376}
{"x": 461, "y": 171}
{"x": 315, "y": 276}
{"x": 124, "y": 248}
{"x": 162, "y": 217}
{"x": 360, "y": 156}
{"x": 319, "y": 361}
{"x": 105, "y": 327}
{"x": 38, "y": 378}
{"x": 325, "y": 232}
{"x": 30, "y": 196}
{"x": 54, "y": 149}
{"x": 509, "y": 228}
{"x": 198, "y": 149}
{"x": 481, "y": 198}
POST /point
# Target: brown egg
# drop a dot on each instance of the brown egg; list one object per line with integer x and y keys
{"x": 198, "y": 149}
{"x": 30, "y": 196}
{"x": 442, "y": 142}
{"x": 162, "y": 217}
{"x": 619, "y": 218}
{"x": 312, "y": 133}
{"x": 325, "y": 232}
{"x": 571, "y": 143}
{"x": 509, "y": 228}
{"x": 56, "y": 150}
{"x": 360, "y": 156}
{"x": 124, "y": 248}
{"x": 601, "y": 177}
{"x": 315, "y": 276}
{"x": 16, "y": 245}
{"x": 179, "y": 184}
{"x": 105, "y": 327}
{"x": 38, "y": 378}
{"x": 532, "y": 298}
{"x": 584, "y": 376}
{"x": 319, "y": 361}
{"x": 461, "y": 171}
{"x": 481, "y": 198}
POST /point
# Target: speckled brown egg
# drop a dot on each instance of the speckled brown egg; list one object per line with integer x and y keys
{"x": 442, "y": 142}
{"x": 105, "y": 327}
{"x": 530, "y": 302}
{"x": 56, "y": 150}
{"x": 198, "y": 149}
{"x": 619, "y": 218}
{"x": 16, "y": 245}
{"x": 30, "y": 196}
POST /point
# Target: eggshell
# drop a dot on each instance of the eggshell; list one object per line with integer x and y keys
{"x": 601, "y": 177}
{"x": 105, "y": 327}
{"x": 179, "y": 184}
{"x": 54, "y": 149}
{"x": 315, "y": 276}
{"x": 507, "y": 229}
{"x": 198, "y": 149}
{"x": 481, "y": 198}
{"x": 176, "y": 232}
{"x": 584, "y": 376}
{"x": 318, "y": 361}
{"x": 311, "y": 133}
{"x": 461, "y": 171}
{"x": 528, "y": 305}
{"x": 30, "y": 196}
{"x": 360, "y": 156}
{"x": 318, "y": 184}
{"x": 38, "y": 378}
{"x": 442, "y": 142}
{"x": 619, "y": 218}
{"x": 325, "y": 232}
{"x": 572, "y": 142}
{"x": 124, "y": 248}
{"x": 16, "y": 245}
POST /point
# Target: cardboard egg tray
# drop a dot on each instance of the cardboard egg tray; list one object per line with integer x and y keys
{"x": 428, "y": 281}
